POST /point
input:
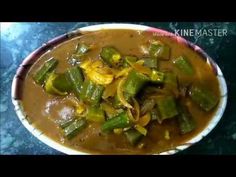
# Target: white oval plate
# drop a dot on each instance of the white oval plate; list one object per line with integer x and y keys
{"x": 28, "y": 61}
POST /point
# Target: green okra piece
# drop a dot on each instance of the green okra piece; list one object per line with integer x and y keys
{"x": 157, "y": 76}
{"x": 95, "y": 114}
{"x": 184, "y": 65}
{"x": 63, "y": 83}
{"x": 133, "y": 136}
{"x": 159, "y": 50}
{"x": 128, "y": 60}
{"x": 185, "y": 120}
{"x": 97, "y": 94}
{"x": 41, "y": 74}
{"x": 110, "y": 56}
{"x": 74, "y": 128}
{"x": 119, "y": 121}
{"x": 167, "y": 107}
{"x": 203, "y": 97}
{"x": 134, "y": 82}
{"x": 151, "y": 62}
{"x": 81, "y": 49}
{"x": 76, "y": 78}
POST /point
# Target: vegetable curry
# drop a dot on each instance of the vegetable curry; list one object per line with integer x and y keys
{"x": 120, "y": 92}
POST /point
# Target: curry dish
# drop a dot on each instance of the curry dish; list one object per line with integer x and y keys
{"x": 120, "y": 92}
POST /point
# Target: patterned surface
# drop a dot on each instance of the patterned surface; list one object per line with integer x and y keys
{"x": 19, "y": 39}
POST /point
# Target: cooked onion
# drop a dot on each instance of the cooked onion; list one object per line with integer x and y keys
{"x": 123, "y": 72}
{"x": 144, "y": 120}
{"x": 141, "y": 129}
{"x": 137, "y": 109}
{"x": 142, "y": 69}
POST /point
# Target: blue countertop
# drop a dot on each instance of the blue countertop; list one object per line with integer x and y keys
{"x": 20, "y": 39}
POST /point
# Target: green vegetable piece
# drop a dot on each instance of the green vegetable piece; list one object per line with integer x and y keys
{"x": 81, "y": 49}
{"x": 157, "y": 76}
{"x": 75, "y": 127}
{"x": 111, "y": 56}
{"x": 128, "y": 60}
{"x": 134, "y": 82}
{"x": 49, "y": 85}
{"x": 147, "y": 106}
{"x": 65, "y": 123}
{"x": 185, "y": 120}
{"x": 159, "y": 50}
{"x": 170, "y": 82}
{"x": 79, "y": 54}
{"x": 84, "y": 89}
{"x": 62, "y": 83}
{"x": 203, "y": 97}
{"x": 116, "y": 102}
{"x": 41, "y": 74}
{"x": 167, "y": 107}
{"x": 97, "y": 94}
{"x": 151, "y": 62}
{"x": 184, "y": 65}
{"x": 87, "y": 90}
{"x": 75, "y": 76}
{"x": 95, "y": 114}
{"x": 133, "y": 136}
{"x": 120, "y": 121}
{"x": 90, "y": 89}
{"x": 91, "y": 92}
